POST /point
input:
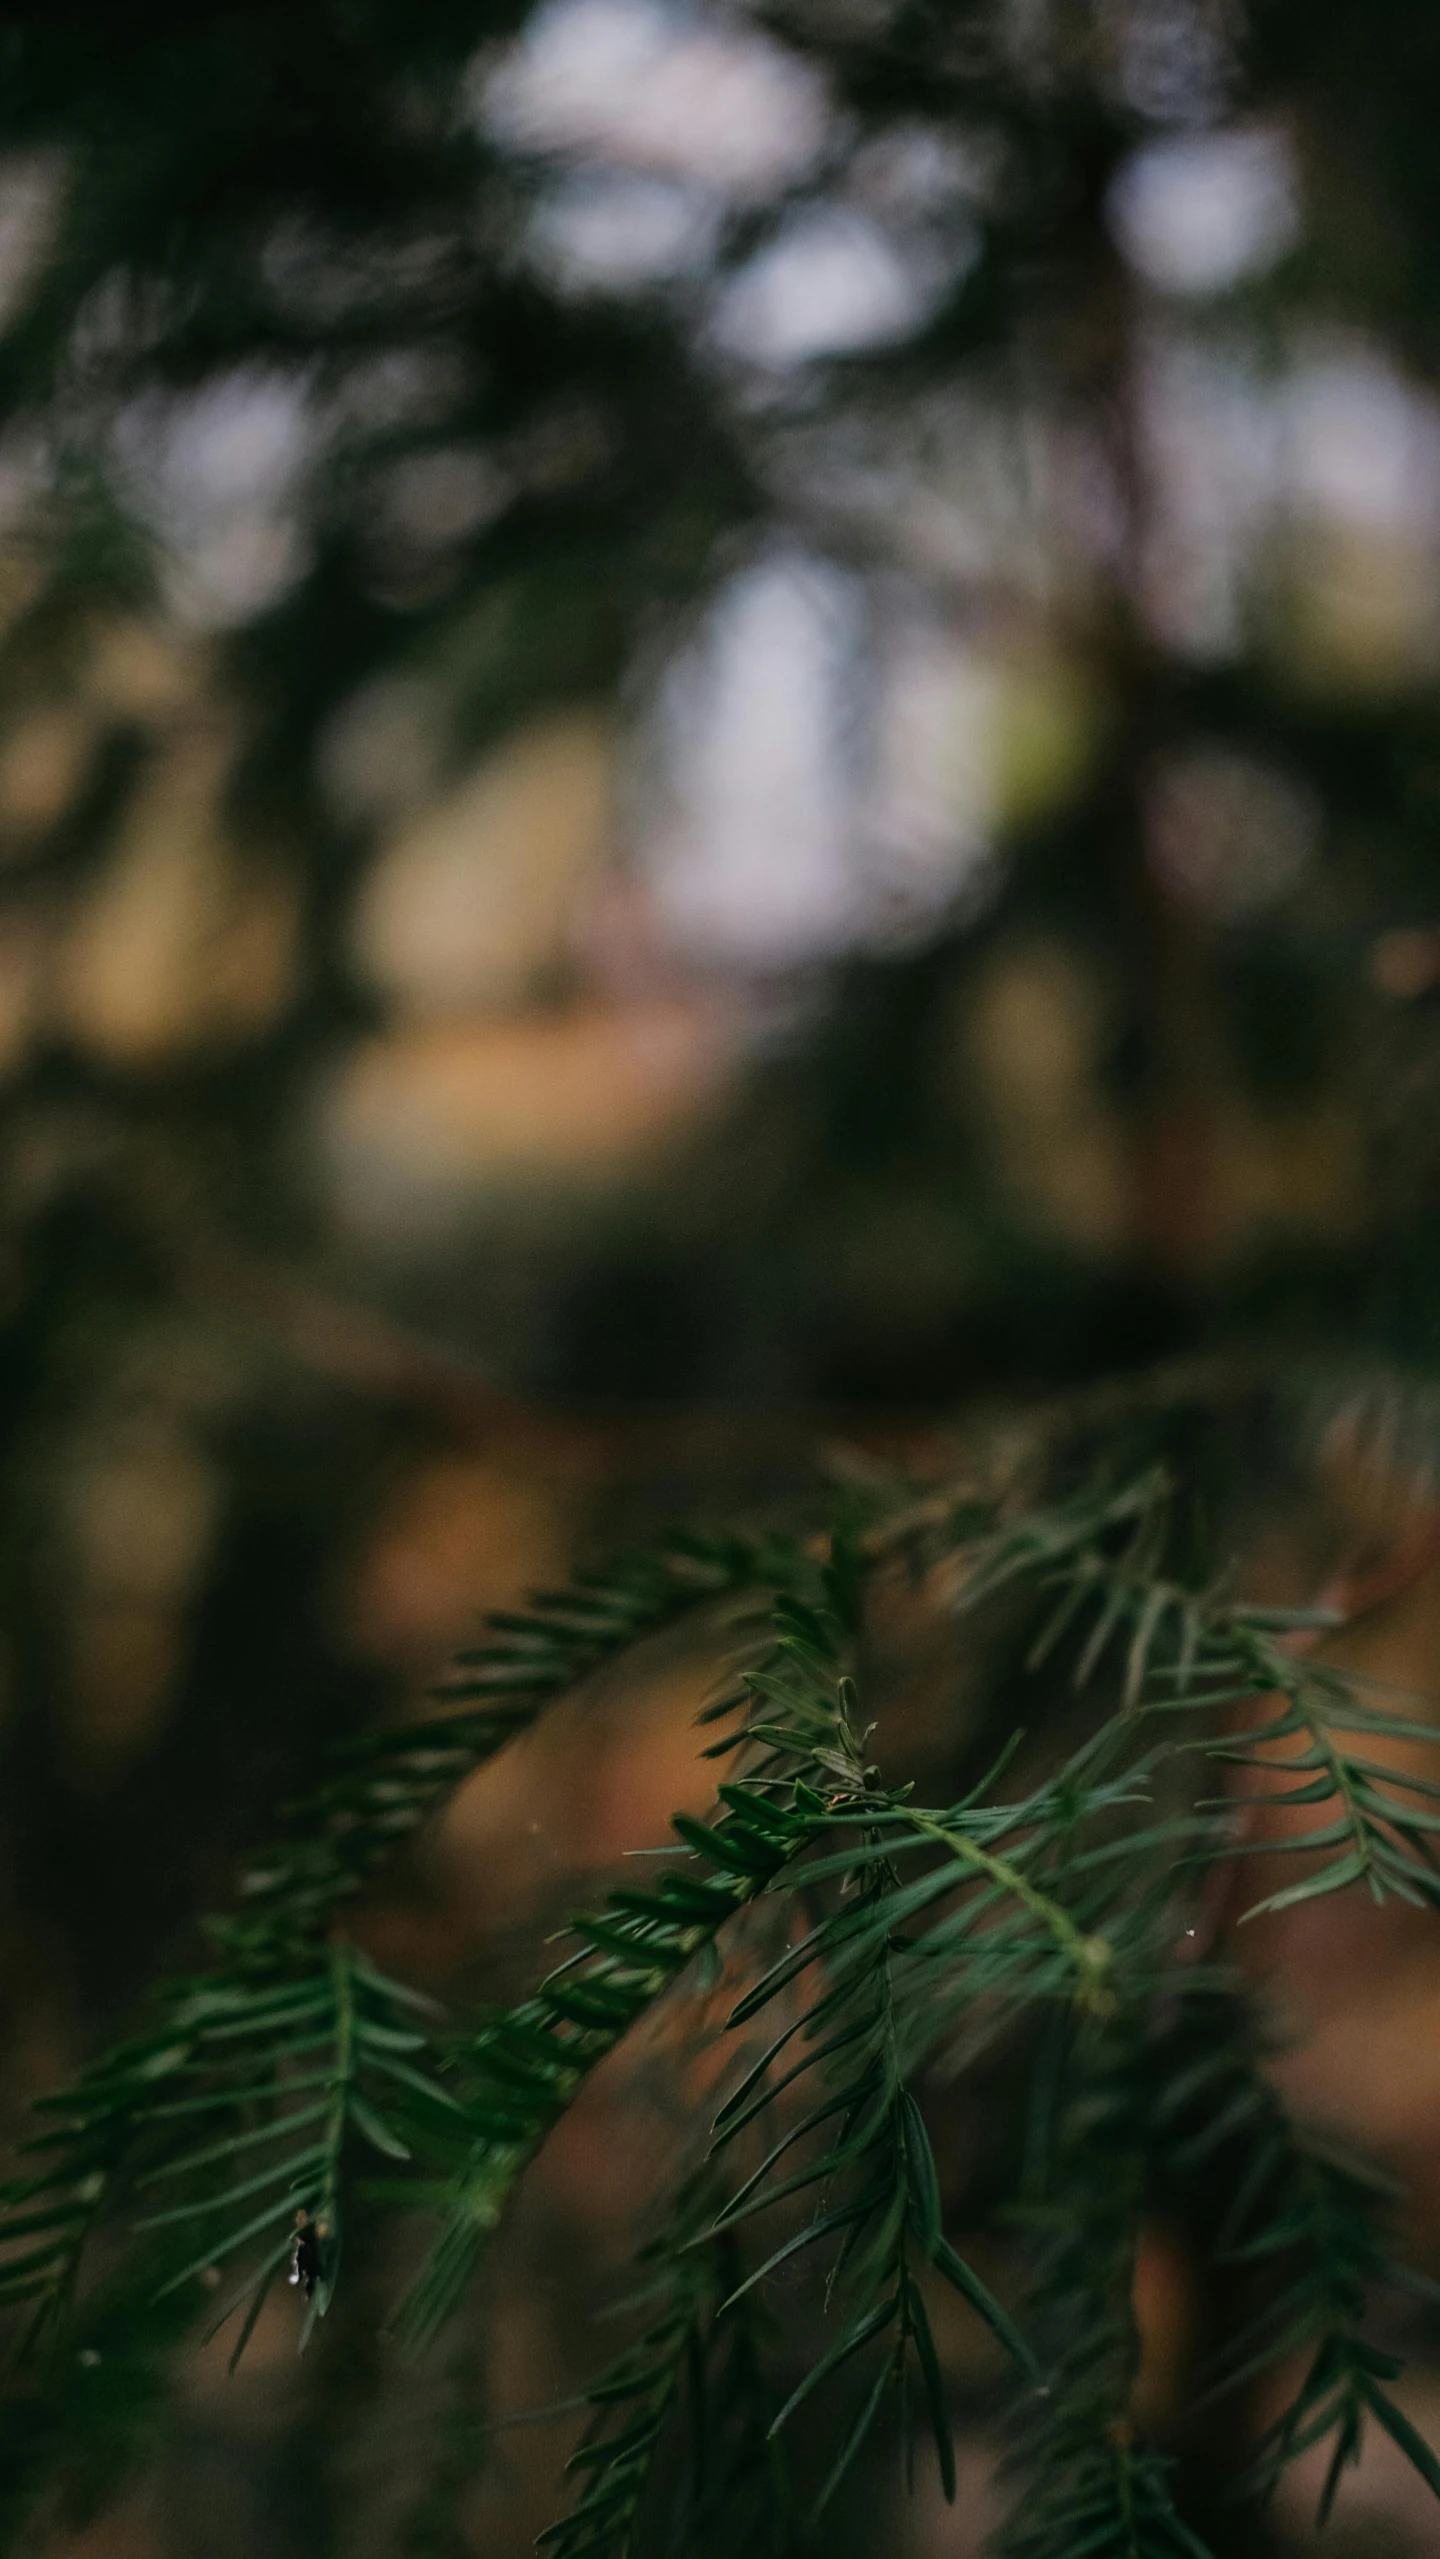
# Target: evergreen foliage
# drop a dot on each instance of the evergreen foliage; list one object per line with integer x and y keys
{"x": 869, "y": 1942}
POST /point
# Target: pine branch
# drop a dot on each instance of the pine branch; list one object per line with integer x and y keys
{"x": 1091, "y": 2487}
{"x": 236, "y": 2048}
{"x": 809, "y": 1780}
{"x": 690, "y": 2372}
{"x": 1314, "y": 2228}
{"x": 1377, "y": 1836}
{"x": 387, "y": 1784}
{"x": 521, "y": 2072}
{"x": 1105, "y": 2497}
{"x": 246, "y": 2103}
{"x": 1192, "y": 1651}
{"x": 909, "y": 1934}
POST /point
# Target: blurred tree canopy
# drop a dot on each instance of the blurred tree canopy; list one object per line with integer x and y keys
{"x": 378, "y": 386}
